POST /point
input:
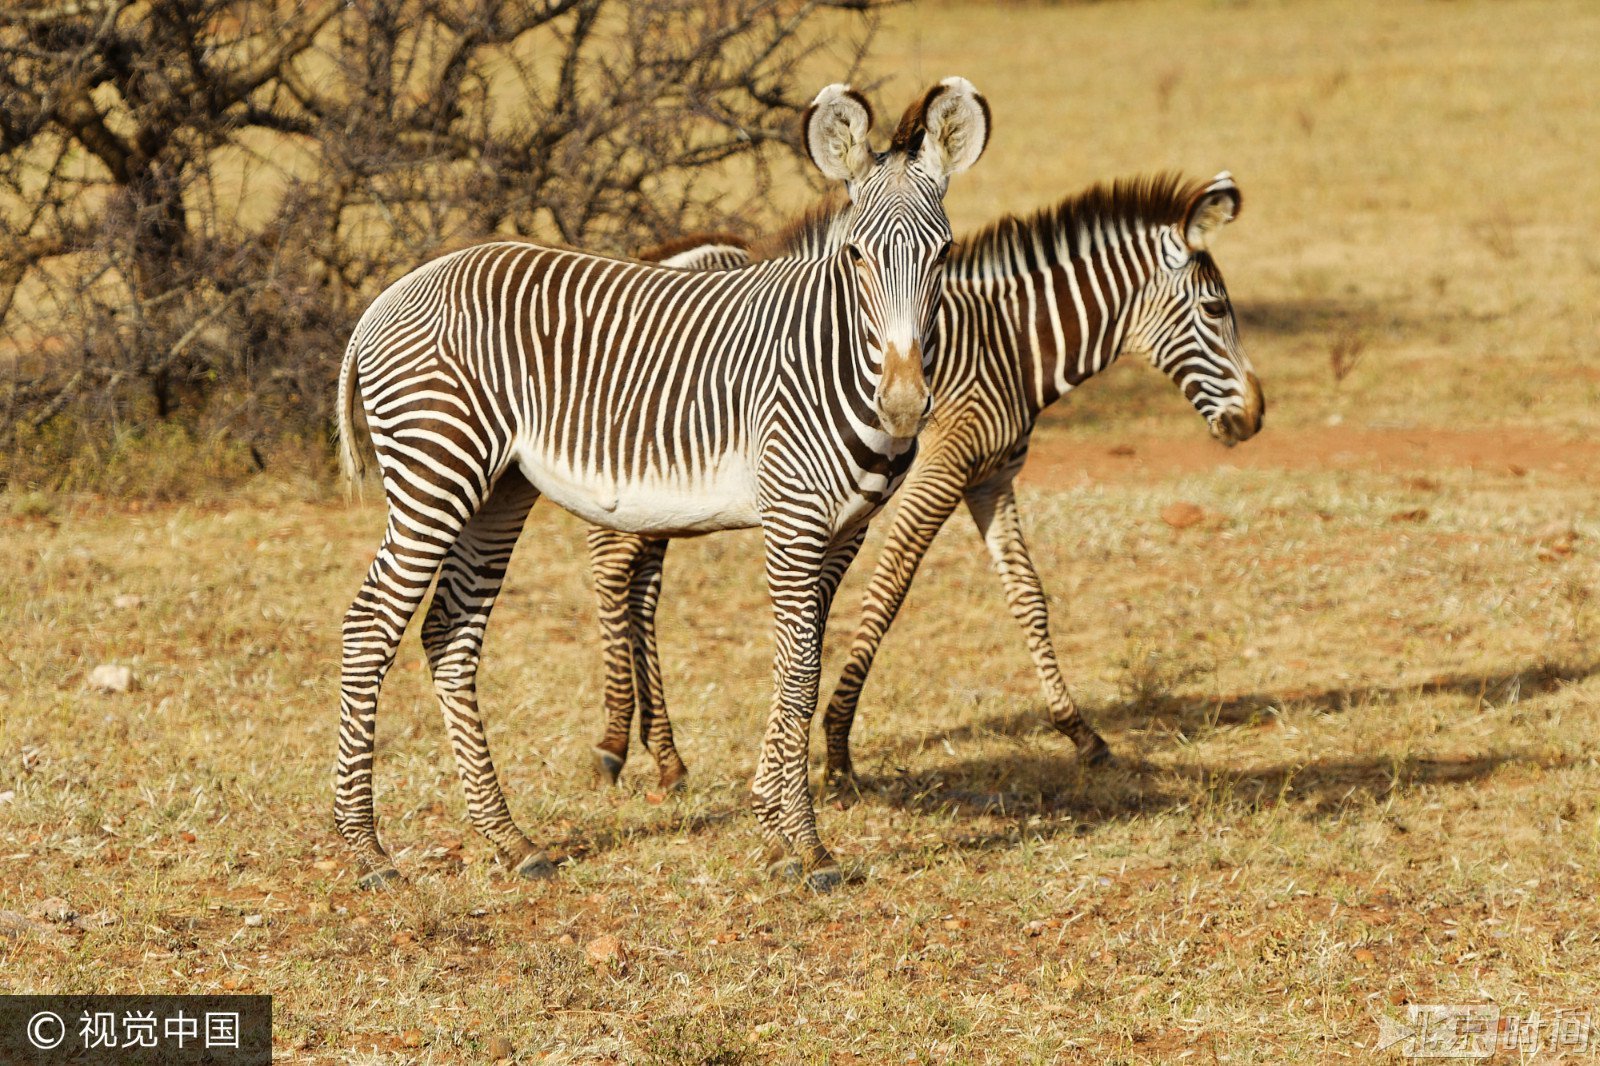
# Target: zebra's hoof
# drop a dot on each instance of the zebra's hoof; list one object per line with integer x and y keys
{"x": 535, "y": 867}
{"x": 607, "y": 767}
{"x": 384, "y": 877}
{"x": 674, "y": 780}
{"x": 842, "y": 784}
{"x": 825, "y": 878}
{"x": 1098, "y": 753}
{"x": 791, "y": 870}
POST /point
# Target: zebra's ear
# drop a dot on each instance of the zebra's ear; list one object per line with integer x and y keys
{"x": 836, "y": 128}
{"x": 1212, "y": 208}
{"x": 948, "y": 129}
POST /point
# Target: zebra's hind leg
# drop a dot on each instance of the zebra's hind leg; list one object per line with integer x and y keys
{"x": 803, "y": 572}
{"x": 655, "y": 728}
{"x": 929, "y": 497}
{"x": 994, "y": 509}
{"x": 452, "y": 635}
{"x": 613, "y": 556}
{"x": 415, "y": 542}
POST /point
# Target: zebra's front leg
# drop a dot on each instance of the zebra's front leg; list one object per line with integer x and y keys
{"x": 613, "y": 557}
{"x": 655, "y": 728}
{"x": 452, "y": 635}
{"x": 804, "y": 568}
{"x": 994, "y": 509}
{"x": 928, "y": 498}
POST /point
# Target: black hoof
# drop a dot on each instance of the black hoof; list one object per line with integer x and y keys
{"x": 382, "y": 878}
{"x": 607, "y": 767}
{"x": 791, "y": 870}
{"x": 535, "y": 867}
{"x": 825, "y": 878}
{"x": 1096, "y": 754}
{"x": 842, "y": 783}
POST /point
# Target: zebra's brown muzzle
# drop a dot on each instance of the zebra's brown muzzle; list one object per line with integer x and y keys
{"x": 1235, "y": 426}
{"x": 903, "y": 399}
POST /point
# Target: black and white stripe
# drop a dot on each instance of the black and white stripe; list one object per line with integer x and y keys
{"x": 1033, "y": 308}
{"x": 655, "y": 401}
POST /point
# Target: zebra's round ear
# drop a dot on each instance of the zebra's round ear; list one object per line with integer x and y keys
{"x": 836, "y": 127}
{"x": 948, "y": 129}
{"x": 1212, "y": 208}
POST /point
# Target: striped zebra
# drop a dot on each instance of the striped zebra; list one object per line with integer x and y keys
{"x": 1033, "y": 308}
{"x": 785, "y": 395}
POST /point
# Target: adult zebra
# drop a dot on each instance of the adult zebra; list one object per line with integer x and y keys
{"x": 1033, "y": 308}
{"x": 662, "y": 402}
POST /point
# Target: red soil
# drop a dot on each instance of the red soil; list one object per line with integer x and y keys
{"x": 1056, "y": 460}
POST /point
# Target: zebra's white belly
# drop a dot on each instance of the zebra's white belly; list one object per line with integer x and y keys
{"x": 656, "y": 503}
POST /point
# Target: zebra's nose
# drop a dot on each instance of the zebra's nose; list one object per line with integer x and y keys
{"x": 903, "y": 398}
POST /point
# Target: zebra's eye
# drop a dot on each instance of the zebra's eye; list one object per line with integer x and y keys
{"x": 944, "y": 253}
{"x": 1214, "y": 308}
{"x": 854, "y": 253}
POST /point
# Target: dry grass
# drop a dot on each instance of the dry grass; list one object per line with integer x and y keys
{"x": 1354, "y": 707}
{"x": 1364, "y": 773}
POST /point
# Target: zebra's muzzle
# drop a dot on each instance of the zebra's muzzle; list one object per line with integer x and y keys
{"x": 1231, "y": 427}
{"x": 903, "y": 399}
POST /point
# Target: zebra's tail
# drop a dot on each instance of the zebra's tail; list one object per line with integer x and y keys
{"x": 352, "y": 462}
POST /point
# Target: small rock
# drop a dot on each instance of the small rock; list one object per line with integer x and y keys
{"x": 128, "y": 601}
{"x": 411, "y": 1038}
{"x": 1365, "y": 955}
{"x": 98, "y": 920}
{"x": 325, "y": 865}
{"x": 7, "y": 796}
{"x": 54, "y": 909}
{"x": 16, "y": 926}
{"x": 108, "y": 677}
{"x": 1182, "y": 515}
{"x": 499, "y": 1049}
{"x": 606, "y": 951}
{"x": 254, "y": 920}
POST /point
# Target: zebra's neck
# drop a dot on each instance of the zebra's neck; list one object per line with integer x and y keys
{"x": 1062, "y": 296}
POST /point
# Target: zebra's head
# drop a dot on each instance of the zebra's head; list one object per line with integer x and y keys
{"x": 898, "y": 236}
{"x": 1185, "y": 323}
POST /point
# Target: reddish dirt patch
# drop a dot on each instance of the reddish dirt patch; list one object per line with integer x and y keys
{"x": 1056, "y": 460}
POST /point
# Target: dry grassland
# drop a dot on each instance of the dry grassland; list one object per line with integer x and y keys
{"x": 1354, "y": 705}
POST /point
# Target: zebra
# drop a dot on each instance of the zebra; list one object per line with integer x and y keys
{"x": 785, "y": 395}
{"x": 1033, "y": 308}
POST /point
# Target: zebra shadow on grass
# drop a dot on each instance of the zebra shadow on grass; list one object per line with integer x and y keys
{"x": 1045, "y": 794}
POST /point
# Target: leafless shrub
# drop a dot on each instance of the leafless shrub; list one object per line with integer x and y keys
{"x": 1166, "y": 85}
{"x": 1345, "y": 352}
{"x": 197, "y": 197}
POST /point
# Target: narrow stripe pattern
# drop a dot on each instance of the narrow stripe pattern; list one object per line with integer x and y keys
{"x": 1033, "y": 307}
{"x": 649, "y": 400}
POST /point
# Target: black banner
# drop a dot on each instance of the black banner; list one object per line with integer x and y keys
{"x": 136, "y": 1030}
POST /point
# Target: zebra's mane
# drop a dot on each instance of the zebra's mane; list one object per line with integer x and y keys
{"x": 1083, "y": 221}
{"x": 815, "y": 232}
{"x": 1099, "y": 214}
{"x": 679, "y": 245}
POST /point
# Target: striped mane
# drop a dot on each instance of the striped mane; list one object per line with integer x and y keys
{"x": 1101, "y": 214}
{"x": 813, "y": 233}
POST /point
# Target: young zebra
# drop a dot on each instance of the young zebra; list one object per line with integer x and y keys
{"x": 1033, "y": 308}
{"x": 661, "y": 402}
